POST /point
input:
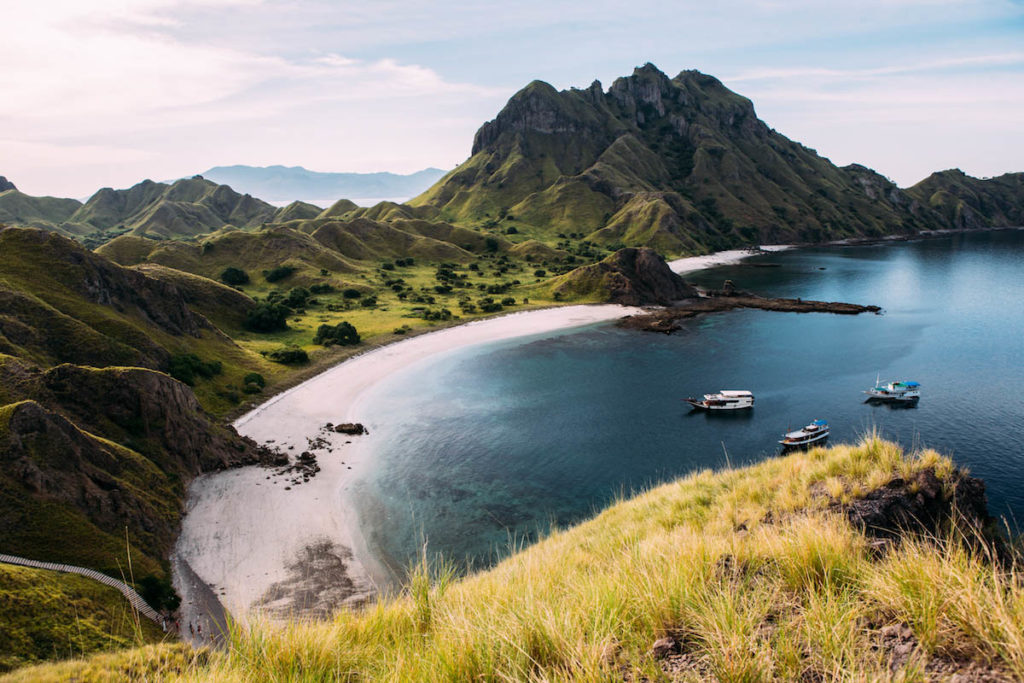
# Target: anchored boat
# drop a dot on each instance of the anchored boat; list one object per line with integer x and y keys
{"x": 894, "y": 391}
{"x": 813, "y": 433}
{"x": 723, "y": 400}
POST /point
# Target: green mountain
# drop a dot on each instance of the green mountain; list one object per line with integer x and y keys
{"x": 182, "y": 209}
{"x": 52, "y": 213}
{"x": 185, "y": 208}
{"x": 682, "y": 165}
{"x": 965, "y": 202}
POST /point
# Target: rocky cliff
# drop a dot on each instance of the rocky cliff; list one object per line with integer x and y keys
{"x": 633, "y": 277}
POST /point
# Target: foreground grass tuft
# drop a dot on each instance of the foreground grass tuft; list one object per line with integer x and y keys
{"x": 753, "y": 573}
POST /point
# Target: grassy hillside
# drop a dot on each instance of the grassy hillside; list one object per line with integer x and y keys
{"x": 752, "y": 574}
{"x": 47, "y": 615}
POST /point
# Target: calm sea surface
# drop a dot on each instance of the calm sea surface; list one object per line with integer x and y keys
{"x": 489, "y": 445}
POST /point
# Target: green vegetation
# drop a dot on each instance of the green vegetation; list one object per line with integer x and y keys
{"x": 186, "y": 367}
{"x": 749, "y": 571}
{"x": 46, "y": 615}
{"x": 234, "y": 276}
{"x": 289, "y": 355}
{"x": 267, "y": 317}
{"x": 278, "y": 273}
{"x": 342, "y": 334}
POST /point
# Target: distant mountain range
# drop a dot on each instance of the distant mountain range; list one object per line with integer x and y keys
{"x": 294, "y": 183}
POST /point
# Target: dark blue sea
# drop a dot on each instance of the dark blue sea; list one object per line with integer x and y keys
{"x": 486, "y": 447}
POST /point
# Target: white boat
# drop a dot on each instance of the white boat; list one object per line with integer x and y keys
{"x": 723, "y": 400}
{"x": 813, "y": 433}
{"x": 894, "y": 391}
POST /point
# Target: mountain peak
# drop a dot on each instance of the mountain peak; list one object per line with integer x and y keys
{"x": 6, "y": 184}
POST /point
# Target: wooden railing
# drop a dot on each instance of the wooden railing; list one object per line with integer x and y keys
{"x": 137, "y": 603}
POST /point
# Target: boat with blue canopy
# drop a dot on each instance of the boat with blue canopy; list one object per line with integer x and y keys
{"x": 894, "y": 391}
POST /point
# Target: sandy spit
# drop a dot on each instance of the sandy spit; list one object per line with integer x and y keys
{"x": 721, "y": 258}
{"x": 244, "y": 531}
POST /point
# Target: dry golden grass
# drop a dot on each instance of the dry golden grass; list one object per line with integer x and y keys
{"x": 748, "y": 569}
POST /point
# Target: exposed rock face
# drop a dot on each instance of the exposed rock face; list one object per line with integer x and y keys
{"x": 633, "y": 277}
{"x": 6, "y": 184}
{"x": 156, "y": 440}
{"x": 922, "y": 503}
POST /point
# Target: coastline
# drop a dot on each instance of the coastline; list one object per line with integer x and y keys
{"x": 272, "y": 528}
{"x": 690, "y": 264}
{"x": 259, "y": 540}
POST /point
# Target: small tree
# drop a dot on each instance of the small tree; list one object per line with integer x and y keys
{"x": 234, "y": 276}
{"x": 278, "y": 273}
{"x": 267, "y": 317}
{"x": 342, "y": 334}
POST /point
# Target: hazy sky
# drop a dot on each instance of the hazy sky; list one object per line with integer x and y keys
{"x": 108, "y": 92}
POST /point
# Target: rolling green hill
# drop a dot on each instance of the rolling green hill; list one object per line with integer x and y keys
{"x": 685, "y": 166}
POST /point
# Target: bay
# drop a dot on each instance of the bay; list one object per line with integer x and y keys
{"x": 484, "y": 448}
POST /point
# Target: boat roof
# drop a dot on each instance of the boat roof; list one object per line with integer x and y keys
{"x": 820, "y": 423}
{"x": 907, "y": 384}
{"x": 734, "y": 392}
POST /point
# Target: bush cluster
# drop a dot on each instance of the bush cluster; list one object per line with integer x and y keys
{"x": 289, "y": 355}
{"x": 278, "y": 273}
{"x": 267, "y": 316}
{"x": 186, "y": 367}
{"x": 234, "y": 277}
{"x": 342, "y": 334}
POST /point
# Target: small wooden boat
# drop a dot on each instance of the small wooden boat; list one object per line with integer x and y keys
{"x": 894, "y": 391}
{"x": 723, "y": 400}
{"x": 813, "y": 433}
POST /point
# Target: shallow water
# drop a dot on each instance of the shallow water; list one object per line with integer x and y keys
{"x": 484, "y": 447}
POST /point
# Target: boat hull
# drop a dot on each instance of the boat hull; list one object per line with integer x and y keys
{"x": 803, "y": 443}
{"x": 707, "y": 405}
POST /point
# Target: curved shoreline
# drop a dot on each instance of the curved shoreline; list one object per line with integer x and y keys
{"x": 259, "y": 540}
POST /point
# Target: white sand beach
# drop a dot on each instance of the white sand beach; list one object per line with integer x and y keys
{"x": 690, "y": 264}
{"x": 244, "y": 529}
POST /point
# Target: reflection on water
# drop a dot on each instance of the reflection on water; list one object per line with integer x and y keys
{"x": 486, "y": 447}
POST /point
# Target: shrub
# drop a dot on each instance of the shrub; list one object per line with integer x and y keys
{"x": 342, "y": 334}
{"x": 511, "y": 230}
{"x": 370, "y": 301}
{"x": 491, "y": 244}
{"x": 278, "y": 273}
{"x": 289, "y": 355}
{"x": 508, "y": 301}
{"x": 234, "y": 276}
{"x": 387, "y": 265}
{"x": 351, "y": 293}
{"x": 540, "y": 272}
{"x": 255, "y": 378}
{"x": 267, "y": 317}
{"x": 186, "y": 367}
{"x": 321, "y": 288}
{"x": 296, "y": 297}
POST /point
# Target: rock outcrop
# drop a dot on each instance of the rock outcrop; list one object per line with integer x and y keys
{"x": 633, "y": 277}
{"x": 6, "y": 184}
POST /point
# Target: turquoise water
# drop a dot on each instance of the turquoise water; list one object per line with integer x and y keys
{"x": 483, "y": 448}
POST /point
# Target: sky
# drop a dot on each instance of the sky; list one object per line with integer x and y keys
{"x": 106, "y": 93}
